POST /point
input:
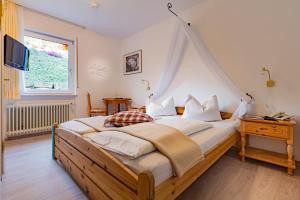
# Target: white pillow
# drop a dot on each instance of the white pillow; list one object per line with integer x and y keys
{"x": 207, "y": 111}
{"x": 165, "y": 108}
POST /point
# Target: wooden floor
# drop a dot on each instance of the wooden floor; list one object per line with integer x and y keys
{"x": 31, "y": 174}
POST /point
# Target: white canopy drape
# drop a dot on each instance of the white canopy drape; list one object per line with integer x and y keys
{"x": 183, "y": 33}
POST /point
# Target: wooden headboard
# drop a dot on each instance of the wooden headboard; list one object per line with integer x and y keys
{"x": 180, "y": 110}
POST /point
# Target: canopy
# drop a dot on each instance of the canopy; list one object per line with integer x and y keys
{"x": 183, "y": 34}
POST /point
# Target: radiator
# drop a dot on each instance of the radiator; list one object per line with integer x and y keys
{"x": 35, "y": 118}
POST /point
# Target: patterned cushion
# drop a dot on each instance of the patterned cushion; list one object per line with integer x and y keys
{"x": 127, "y": 118}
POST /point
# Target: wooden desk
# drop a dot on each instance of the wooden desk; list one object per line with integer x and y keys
{"x": 116, "y": 104}
{"x": 282, "y": 130}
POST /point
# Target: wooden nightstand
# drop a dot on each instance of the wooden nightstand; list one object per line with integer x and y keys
{"x": 283, "y": 130}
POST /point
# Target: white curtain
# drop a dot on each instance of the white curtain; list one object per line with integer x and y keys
{"x": 183, "y": 33}
{"x": 175, "y": 55}
{"x": 12, "y": 22}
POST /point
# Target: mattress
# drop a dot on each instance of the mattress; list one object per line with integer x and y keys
{"x": 158, "y": 164}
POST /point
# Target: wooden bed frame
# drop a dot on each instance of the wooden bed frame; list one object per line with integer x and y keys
{"x": 102, "y": 176}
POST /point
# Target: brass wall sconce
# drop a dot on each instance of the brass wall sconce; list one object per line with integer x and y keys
{"x": 270, "y": 83}
{"x": 146, "y": 84}
{"x": 147, "y": 87}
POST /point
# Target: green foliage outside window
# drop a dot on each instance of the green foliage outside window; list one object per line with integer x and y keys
{"x": 48, "y": 65}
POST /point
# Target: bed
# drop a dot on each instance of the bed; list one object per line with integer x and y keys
{"x": 105, "y": 175}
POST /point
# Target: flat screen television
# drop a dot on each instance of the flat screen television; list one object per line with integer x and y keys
{"x": 15, "y": 54}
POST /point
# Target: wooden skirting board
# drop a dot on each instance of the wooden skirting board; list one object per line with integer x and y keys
{"x": 102, "y": 176}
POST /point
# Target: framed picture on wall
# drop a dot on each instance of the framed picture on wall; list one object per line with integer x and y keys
{"x": 132, "y": 63}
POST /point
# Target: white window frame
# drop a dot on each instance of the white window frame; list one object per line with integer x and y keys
{"x": 71, "y": 91}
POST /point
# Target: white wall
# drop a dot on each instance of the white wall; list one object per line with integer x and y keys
{"x": 95, "y": 52}
{"x": 243, "y": 36}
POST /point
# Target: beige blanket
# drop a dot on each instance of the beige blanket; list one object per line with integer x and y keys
{"x": 183, "y": 152}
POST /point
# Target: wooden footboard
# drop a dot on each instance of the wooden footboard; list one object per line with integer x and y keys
{"x": 173, "y": 187}
{"x": 102, "y": 176}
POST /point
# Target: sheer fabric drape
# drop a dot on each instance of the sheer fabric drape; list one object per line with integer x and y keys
{"x": 174, "y": 57}
{"x": 184, "y": 33}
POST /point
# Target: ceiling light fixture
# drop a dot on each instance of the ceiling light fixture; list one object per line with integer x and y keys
{"x": 94, "y": 3}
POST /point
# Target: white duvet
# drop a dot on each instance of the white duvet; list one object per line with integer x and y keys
{"x": 128, "y": 145}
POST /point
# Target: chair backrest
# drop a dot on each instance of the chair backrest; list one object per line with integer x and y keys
{"x": 89, "y": 102}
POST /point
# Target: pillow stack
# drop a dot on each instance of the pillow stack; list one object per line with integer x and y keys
{"x": 207, "y": 111}
{"x": 165, "y": 108}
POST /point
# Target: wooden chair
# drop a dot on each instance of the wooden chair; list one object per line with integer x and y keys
{"x": 94, "y": 111}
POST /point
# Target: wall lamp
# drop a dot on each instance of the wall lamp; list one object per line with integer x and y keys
{"x": 147, "y": 87}
{"x": 147, "y": 84}
{"x": 270, "y": 83}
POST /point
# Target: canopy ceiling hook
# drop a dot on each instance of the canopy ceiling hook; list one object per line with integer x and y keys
{"x": 170, "y": 6}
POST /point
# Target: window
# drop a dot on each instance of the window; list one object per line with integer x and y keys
{"x": 51, "y": 65}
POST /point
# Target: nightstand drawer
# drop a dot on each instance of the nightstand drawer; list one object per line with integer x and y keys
{"x": 272, "y": 130}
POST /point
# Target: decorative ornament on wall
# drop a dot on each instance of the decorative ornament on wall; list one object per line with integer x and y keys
{"x": 132, "y": 63}
{"x": 98, "y": 71}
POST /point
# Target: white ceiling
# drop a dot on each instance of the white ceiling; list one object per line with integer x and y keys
{"x": 118, "y": 18}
